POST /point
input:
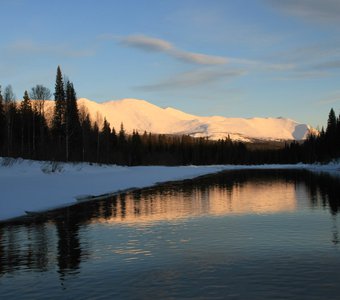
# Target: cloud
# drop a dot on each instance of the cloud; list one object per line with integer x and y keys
{"x": 312, "y": 61}
{"x": 328, "y": 65}
{"x": 333, "y": 98}
{"x": 147, "y": 43}
{"x": 193, "y": 78}
{"x": 158, "y": 45}
{"x": 263, "y": 66}
{"x": 310, "y": 53}
{"x": 304, "y": 75}
{"x": 30, "y": 47}
{"x": 151, "y": 44}
{"x": 312, "y": 10}
{"x": 198, "y": 58}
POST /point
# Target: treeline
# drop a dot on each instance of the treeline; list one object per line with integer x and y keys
{"x": 71, "y": 136}
{"x": 322, "y": 146}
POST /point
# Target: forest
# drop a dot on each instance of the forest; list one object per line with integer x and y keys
{"x": 72, "y": 136}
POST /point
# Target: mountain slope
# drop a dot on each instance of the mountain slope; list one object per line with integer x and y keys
{"x": 143, "y": 116}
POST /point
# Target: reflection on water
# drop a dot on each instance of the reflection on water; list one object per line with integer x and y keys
{"x": 210, "y": 225}
{"x": 173, "y": 203}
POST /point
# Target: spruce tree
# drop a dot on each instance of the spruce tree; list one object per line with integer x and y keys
{"x": 114, "y": 139}
{"x": 331, "y": 124}
{"x": 25, "y": 105}
{"x": 106, "y": 142}
{"x": 60, "y": 105}
{"x": 121, "y": 135}
{"x": 96, "y": 140}
{"x": 72, "y": 124}
{"x": 2, "y": 124}
{"x": 331, "y": 134}
{"x": 58, "y": 122}
{"x": 86, "y": 136}
{"x": 26, "y": 114}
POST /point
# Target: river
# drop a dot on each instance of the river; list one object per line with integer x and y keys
{"x": 257, "y": 234}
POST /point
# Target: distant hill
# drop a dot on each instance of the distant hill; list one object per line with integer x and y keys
{"x": 143, "y": 116}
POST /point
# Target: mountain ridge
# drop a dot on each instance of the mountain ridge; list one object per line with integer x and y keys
{"x": 141, "y": 115}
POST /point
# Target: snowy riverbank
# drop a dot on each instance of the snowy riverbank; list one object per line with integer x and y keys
{"x": 35, "y": 185}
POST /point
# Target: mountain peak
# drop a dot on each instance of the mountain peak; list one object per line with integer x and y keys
{"x": 141, "y": 115}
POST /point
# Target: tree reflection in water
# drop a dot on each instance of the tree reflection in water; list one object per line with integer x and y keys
{"x": 54, "y": 239}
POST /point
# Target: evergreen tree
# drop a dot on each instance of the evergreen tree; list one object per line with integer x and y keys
{"x": 2, "y": 124}
{"x": 122, "y": 146}
{"x": 26, "y": 114}
{"x": 114, "y": 138}
{"x": 136, "y": 149}
{"x": 72, "y": 124}
{"x": 105, "y": 142}
{"x": 121, "y": 135}
{"x": 60, "y": 104}
{"x": 58, "y": 122}
{"x": 331, "y": 124}
{"x": 86, "y": 136}
{"x": 25, "y": 105}
{"x": 331, "y": 134}
{"x": 338, "y": 136}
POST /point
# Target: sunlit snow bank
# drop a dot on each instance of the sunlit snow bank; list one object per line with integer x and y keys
{"x": 27, "y": 185}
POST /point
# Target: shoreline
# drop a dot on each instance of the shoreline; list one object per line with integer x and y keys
{"x": 40, "y": 186}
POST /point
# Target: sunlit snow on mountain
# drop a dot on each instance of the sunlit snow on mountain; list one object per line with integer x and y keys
{"x": 143, "y": 116}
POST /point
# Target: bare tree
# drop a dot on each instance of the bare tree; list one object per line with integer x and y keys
{"x": 40, "y": 93}
{"x": 10, "y": 106}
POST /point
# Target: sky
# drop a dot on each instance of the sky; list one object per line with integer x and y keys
{"x": 245, "y": 58}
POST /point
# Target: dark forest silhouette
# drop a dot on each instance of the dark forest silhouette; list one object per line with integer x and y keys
{"x": 72, "y": 136}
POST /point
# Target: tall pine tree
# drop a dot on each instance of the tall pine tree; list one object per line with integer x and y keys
{"x": 72, "y": 124}
{"x": 2, "y": 124}
{"x": 331, "y": 133}
{"x": 26, "y": 114}
{"x": 331, "y": 124}
{"x": 58, "y": 122}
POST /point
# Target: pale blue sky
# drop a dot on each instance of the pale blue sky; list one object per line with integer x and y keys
{"x": 245, "y": 58}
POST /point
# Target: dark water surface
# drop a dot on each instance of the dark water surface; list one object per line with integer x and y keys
{"x": 234, "y": 235}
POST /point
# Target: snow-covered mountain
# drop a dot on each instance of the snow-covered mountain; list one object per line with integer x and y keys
{"x": 143, "y": 116}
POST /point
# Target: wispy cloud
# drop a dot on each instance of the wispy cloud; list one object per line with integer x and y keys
{"x": 330, "y": 99}
{"x": 147, "y": 43}
{"x": 151, "y": 44}
{"x": 303, "y": 75}
{"x": 158, "y": 45}
{"x": 310, "y": 53}
{"x": 311, "y": 61}
{"x": 328, "y": 65}
{"x": 193, "y": 78}
{"x": 198, "y": 58}
{"x": 263, "y": 66}
{"x": 31, "y": 47}
{"x": 313, "y": 10}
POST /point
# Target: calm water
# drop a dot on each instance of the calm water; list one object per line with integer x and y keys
{"x": 236, "y": 235}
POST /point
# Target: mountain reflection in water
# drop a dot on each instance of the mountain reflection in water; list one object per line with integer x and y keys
{"x": 60, "y": 239}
